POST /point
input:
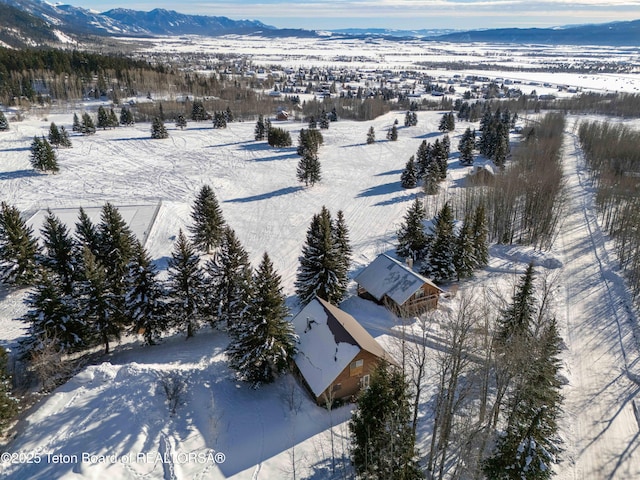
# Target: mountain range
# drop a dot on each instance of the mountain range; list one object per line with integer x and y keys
{"x": 37, "y": 22}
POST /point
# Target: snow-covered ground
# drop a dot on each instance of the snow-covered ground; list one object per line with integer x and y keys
{"x": 114, "y": 413}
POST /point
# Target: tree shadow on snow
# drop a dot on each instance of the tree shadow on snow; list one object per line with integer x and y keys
{"x": 18, "y": 174}
{"x": 390, "y": 172}
{"x": 16, "y": 149}
{"x": 384, "y": 189}
{"x": 264, "y": 196}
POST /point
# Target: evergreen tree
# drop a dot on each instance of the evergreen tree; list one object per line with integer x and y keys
{"x": 265, "y": 342}
{"x": 76, "y": 123}
{"x": 58, "y": 254}
{"x": 278, "y": 137}
{"x": 96, "y": 302}
{"x": 441, "y": 265}
{"x": 113, "y": 119}
{"x": 309, "y": 141}
{"x": 52, "y": 316}
{"x": 158, "y": 130}
{"x": 480, "y": 234}
{"x": 440, "y": 152}
{"x": 4, "y": 124}
{"x": 392, "y": 133}
{"x": 409, "y": 177}
{"x": 54, "y": 136}
{"x": 198, "y": 113}
{"x": 103, "y": 118}
{"x": 65, "y": 141}
{"x": 126, "y": 117}
{"x": 340, "y": 234}
{"x": 260, "y": 132}
{"x": 87, "y": 127}
{"x": 18, "y": 248}
{"x": 383, "y": 444}
{"x": 313, "y": 124}
{"x": 219, "y": 120}
{"x": 308, "y": 170}
{"x": 230, "y": 282}
{"x": 413, "y": 242}
{"x": 9, "y": 405}
{"x": 228, "y": 115}
{"x": 424, "y": 157}
{"x": 319, "y": 272}
{"x": 144, "y": 305}
{"x": 464, "y": 259}
{"x": 208, "y": 223}
{"x": 371, "y": 136}
{"x": 333, "y": 115}
{"x": 87, "y": 234}
{"x": 181, "y": 122}
{"x": 431, "y": 178}
{"x": 466, "y": 146}
{"x": 516, "y": 320}
{"x": 324, "y": 120}
{"x": 43, "y": 157}
{"x": 186, "y": 284}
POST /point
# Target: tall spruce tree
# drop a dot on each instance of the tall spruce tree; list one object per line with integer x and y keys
{"x": 466, "y": 146}
{"x": 229, "y": 282}
{"x": 4, "y": 124}
{"x": 340, "y": 234}
{"x": 96, "y": 302}
{"x": 43, "y": 157}
{"x": 186, "y": 285}
{"x": 409, "y": 177}
{"x": 308, "y": 170}
{"x": 158, "y": 130}
{"x": 126, "y": 117}
{"x": 65, "y": 141}
{"x": 480, "y": 237}
{"x": 208, "y": 223}
{"x": 87, "y": 127}
{"x": 77, "y": 127}
{"x": 413, "y": 242}
{"x": 464, "y": 259}
{"x": 181, "y": 122}
{"x": 260, "y": 132}
{"x": 18, "y": 248}
{"x": 144, "y": 298}
{"x": 265, "y": 341}
{"x": 103, "y": 118}
{"x": 371, "y": 136}
{"x": 383, "y": 444}
{"x": 112, "y": 119}
{"x": 86, "y": 234}
{"x": 441, "y": 262}
{"x": 320, "y": 263}
{"x": 9, "y": 404}
{"x": 54, "y": 136}
{"x": 58, "y": 253}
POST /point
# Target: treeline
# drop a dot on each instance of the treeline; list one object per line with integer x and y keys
{"x": 613, "y": 157}
{"x": 524, "y": 202}
{"x": 625, "y": 105}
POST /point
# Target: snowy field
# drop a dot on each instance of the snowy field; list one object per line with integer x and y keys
{"x": 111, "y": 420}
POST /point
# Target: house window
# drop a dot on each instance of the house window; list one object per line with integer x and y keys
{"x": 356, "y": 368}
{"x": 364, "y": 381}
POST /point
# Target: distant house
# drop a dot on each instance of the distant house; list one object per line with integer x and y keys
{"x": 336, "y": 355}
{"x": 282, "y": 115}
{"x": 395, "y": 285}
{"x": 481, "y": 175}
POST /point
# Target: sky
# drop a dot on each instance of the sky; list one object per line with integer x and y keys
{"x": 398, "y": 14}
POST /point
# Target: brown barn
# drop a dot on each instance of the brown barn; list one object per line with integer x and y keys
{"x": 335, "y": 353}
{"x": 395, "y": 285}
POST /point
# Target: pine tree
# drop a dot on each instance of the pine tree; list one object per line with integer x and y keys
{"x": 466, "y": 146}
{"x": 229, "y": 282}
{"x": 144, "y": 305}
{"x": 516, "y": 320}
{"x": 320, "y": 266}
{"x": 265, "y": 342}
{"x": 371, "y": 136}
{"x": 431, "y": 178}
{"x": 18, "y": 248}
{"x": 413, "y": 242}
{"x": 278, "y": 137}
{"x": 158, "y": 130}
{"x": 181, "y": 122}
{"x": 198, "y": 113}
{"x": 219, "y": 120}
{"x": 96, "y": 302}
{"x": 441, "y": 264}
{"x": 312, "y": 123}
{"x": 65, "y": 141}
{"x": 480, "y": 234}
{"x": 410, "y": 119}
{"x": 423, "y": 158}
{"x": 43, "y": 157}
{"x": 87, "y": 233}
{"x": 409, "y": 177}
{"x": 58, "y": 253}
{"x": 87, "y": 127}
{"x": 340, "y": 234}
{"x": 309, "y": 141}
{"x": 260, "y": 132}
{"x": 9, "y": 405}
{"x": 113, "y": 119}
{"x": 392, "y": 133}
{"x": 186, "y": 283}
{"x": 208, "y": 223}
{"x": 308, "y": 170}
{"x": 464, "y": 259}
{"x": 126, "y": 117}
{"x": 383, "y": 444}
{"x": 76, "y": 123}
{"x": 324, "y": 120}
{"x": 4, "y": 124}
{"x": 103, "y": 118}
{"x": 54, "y": 136}
{"x": 52, "y": 316}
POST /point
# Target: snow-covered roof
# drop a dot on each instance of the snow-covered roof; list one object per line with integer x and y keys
{"x": 387, "y": 276}
{"x": 329, "y": 339}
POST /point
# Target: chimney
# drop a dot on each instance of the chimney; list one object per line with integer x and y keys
{"x": 409, "y": 262}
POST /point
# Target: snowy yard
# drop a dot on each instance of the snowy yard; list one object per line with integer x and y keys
{"x": 114, "y": 410}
